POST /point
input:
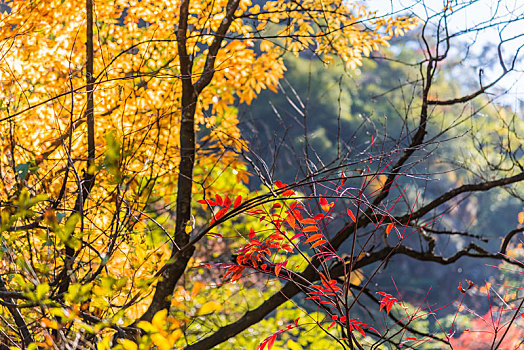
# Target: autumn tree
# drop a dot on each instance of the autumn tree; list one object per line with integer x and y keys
{"x": 101, "y": 103}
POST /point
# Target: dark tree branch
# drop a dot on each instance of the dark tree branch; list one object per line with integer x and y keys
{"x": 10, "y": 304}
{"x": 174, "y": 269}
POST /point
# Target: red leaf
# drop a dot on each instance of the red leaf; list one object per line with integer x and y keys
{"x": 314, "y": 237}
{"x": 389, "y": 306}
{"x": 317, "y": 243}
{"x": 310, "y": 229}
{"x": 332, "y": 324}
{"x": 279, "y": 184}
{"x": 296, "y": 320}
{"x": 350, "y": 213}
{"x": 238, "y": 200}
{"x": 227, "y": 202}
{"x": 325, "y": 205}
{"x": 221, "y": 213}
{"x": 208, "y": 201}
{"x": 251, "y": 233}
{"x": 410, "y": 338}
{"x": 288, "y": 193}
{"x": 219, "y": 199}
{"x": 388, "y": 229}
{"x": 262, "y": 345}
{"x": 319, "y": 216}
{"x": 297, "y": 235}
{"x": 271, "y": 341}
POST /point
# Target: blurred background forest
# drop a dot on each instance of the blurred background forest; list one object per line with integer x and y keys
{"x": 339, "y": 110}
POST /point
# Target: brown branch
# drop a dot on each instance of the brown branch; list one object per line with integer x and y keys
{"x": 209, "y": 66}
{"x": 483, "y": 186}
{"x": 466, "y": 98}
{"x": 172, "y": 271}
{"x": 507, "y": 239}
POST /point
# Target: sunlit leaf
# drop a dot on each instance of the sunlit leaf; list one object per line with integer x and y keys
{"x": 209, "y": 307}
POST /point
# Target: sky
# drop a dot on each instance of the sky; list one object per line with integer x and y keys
{"x": 471, "y": 14}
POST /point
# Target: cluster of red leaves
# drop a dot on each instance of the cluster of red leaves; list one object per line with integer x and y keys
{"x": 387, "y": 301}
{"x": 221, "y": 202}
{"x": 289, "y": 225}
{"x": 352, "y": 323}
{"x": 327, "y": 289}
{"x": 256, "y": 253}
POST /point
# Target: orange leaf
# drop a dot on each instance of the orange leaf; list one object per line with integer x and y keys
{"x": 291, "y": 221}
{"x": 277, "y": 269}
{"x": 317, "y": 243}
{"x": 310, "y": 229}
{"x": 314, "y": 237}
{"x": 308, "y": 222}
{"x": 324, "y": 204}
{"x": 521, "y": 217}
{"x": 350, "y": 213}
{"x": 388, "y": 229}
{"x": 288, "y": 193}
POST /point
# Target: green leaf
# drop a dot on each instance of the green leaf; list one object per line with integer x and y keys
{"x": 41, "y": 290}
{"x": 22, "y": 170}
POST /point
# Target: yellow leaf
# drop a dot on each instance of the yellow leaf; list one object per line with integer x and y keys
{"x": 159, "y": 320}
{"x": 356, "y": 277}
{"x": 161, "y": 342}
{"x": 104, "y": 344}
{"x": 128, "y": 344}
{"x": 209, "y": 307}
